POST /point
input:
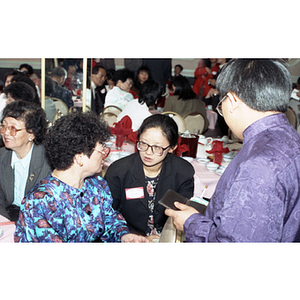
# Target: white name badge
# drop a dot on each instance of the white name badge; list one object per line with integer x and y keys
{"x": 134, "y": 193}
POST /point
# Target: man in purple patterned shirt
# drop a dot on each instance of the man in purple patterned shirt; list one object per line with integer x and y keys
{"x": 257, "y": 199}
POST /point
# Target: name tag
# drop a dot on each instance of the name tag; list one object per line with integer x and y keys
{"x": 134, "y": 193}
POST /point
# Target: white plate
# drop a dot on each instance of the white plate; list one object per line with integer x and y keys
{"x": 1, "y": 232}
{"x": 190, "y": 159}
{"x": 203, "y": 160}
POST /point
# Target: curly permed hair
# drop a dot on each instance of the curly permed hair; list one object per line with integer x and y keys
{"x": 31, "y": 114}
{"x": 74, "y": 134}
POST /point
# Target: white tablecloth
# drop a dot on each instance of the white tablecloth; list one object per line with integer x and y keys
{"x": 8, "y": 235}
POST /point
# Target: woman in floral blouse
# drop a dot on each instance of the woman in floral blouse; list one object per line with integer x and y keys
{"x": 74, "y": 203}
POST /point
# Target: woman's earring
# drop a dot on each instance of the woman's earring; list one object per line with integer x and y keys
{"x": 81, "y": 164}
{"x": 30, "y": 139}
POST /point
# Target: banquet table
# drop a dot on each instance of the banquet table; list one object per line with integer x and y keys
{"x": 8, "y": 228}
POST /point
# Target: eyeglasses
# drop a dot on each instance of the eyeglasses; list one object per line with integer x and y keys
{"x": 12, "y": 129}
{"x": 157, "y": 150}
{"x": 219, "y": 106}
{"x": 105, "y": 151}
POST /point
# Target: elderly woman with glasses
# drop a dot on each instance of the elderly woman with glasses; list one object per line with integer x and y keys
{"x": 73, "y": 203}
{"x": 22, "y": 161}
{"x": 137, "y": 182}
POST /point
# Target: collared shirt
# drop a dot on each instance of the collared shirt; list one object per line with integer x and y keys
{"x": 257, "y": 199}
{"x": 21, "y": 169}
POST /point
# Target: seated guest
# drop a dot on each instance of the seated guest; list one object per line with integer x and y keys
{"x": 70, "y": 66}
{"x": 139, "y": 180}
{"x": 184, "y": 99}
{"x": 119, "y": 96}
{"x": 138, "y": 109}
{"x": 21, "y": 77}
{"x": 22, "y": 160}
{"x": 110, "y": 79}
{"x": 19, "y": 91}
{"x": 73, "y": 203}
{"x": 27, "y": 69}
{"x": 59, "y": 76}
{"x": 50, "y": 108}
{"x": 143, "y": 74}
{"x": 257, "y": 197}
{"x": 95, "y": 97}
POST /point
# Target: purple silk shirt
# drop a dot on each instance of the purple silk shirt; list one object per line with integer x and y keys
{"x": 257, "y": 199}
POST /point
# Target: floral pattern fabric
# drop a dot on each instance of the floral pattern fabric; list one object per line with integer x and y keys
{"x": 56, "y": 212}
{"x": 151, "y": 184}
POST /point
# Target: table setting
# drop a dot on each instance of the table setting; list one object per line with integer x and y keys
{"x": 7, "y": 229}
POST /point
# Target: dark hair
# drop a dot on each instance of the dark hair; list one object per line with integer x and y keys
{"x": 95, "y": 70}
{"x": 180, "y": 66}
{"x": 150, "y": 91}
{"x": 31, "y": 114}
{"x": 21, "y": 77}
{"x": 58, "y": 72}
{"x": 183, "y": 88}
{"x": 10, "y": 73}
{"x": 206, "y": 62}
{"x": 68, "y": 62}
{"x": 262, "y": 84}
{"x": 123, "y": 75}
{"x": 167, "y": 125}
{"x": 142, "y": 68}
{"x": 20, "y": 91}
{"x": 74, "y": 134}
{"x": 49, "y": 86}
{"x": 28, "y": 67}
{"x": 298, "y": 81}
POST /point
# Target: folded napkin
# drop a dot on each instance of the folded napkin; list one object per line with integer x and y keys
{"x": 218, "y": 151}
{"x": 123, "y": 127}
{"x": 181, "y": 148}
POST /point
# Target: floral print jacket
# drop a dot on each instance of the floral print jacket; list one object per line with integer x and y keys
{"x": 56, "y": 212}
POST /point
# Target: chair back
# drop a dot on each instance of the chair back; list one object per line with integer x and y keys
{"x": 109, "y": 118}
{"x": 177, "y": 118}
{"x": 292, "y": 117}
{"x": 61, "y": 105}
{"x": 112, "y": 109}
{"x": 194, "y": 122}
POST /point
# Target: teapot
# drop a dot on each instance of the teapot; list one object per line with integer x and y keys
{"x": 204, "y": 144}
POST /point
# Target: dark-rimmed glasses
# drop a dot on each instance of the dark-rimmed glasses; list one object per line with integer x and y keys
{"x": 105, "y": 151}
{"x": 219, "y": 106}
{"x": 12, "y": 129}
{"x": 157, "y": 150}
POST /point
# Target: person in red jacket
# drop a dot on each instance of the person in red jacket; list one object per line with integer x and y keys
{"x": 202, "y": 75}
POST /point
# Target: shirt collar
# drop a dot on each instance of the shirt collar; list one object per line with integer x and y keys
{"x": 24, "y": 161}
{"x": 263, "y": 124}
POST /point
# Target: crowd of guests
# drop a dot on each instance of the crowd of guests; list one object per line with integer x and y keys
{"x": 50, "y": 182}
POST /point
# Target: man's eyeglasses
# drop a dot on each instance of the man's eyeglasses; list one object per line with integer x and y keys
{"x": 105, "y": 151}
{"x": 12, "y": 129}
{"x": 157, "y": 150}
{"x": 219, "y": 106}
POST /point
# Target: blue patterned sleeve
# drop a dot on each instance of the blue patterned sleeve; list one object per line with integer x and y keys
{"x": 34, "y": 223}
{"x": 114, "y": 222}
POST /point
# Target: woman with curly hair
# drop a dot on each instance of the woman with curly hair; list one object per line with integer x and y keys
{"x": 23, "y": 160}
{"x": 74, "y": 203}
